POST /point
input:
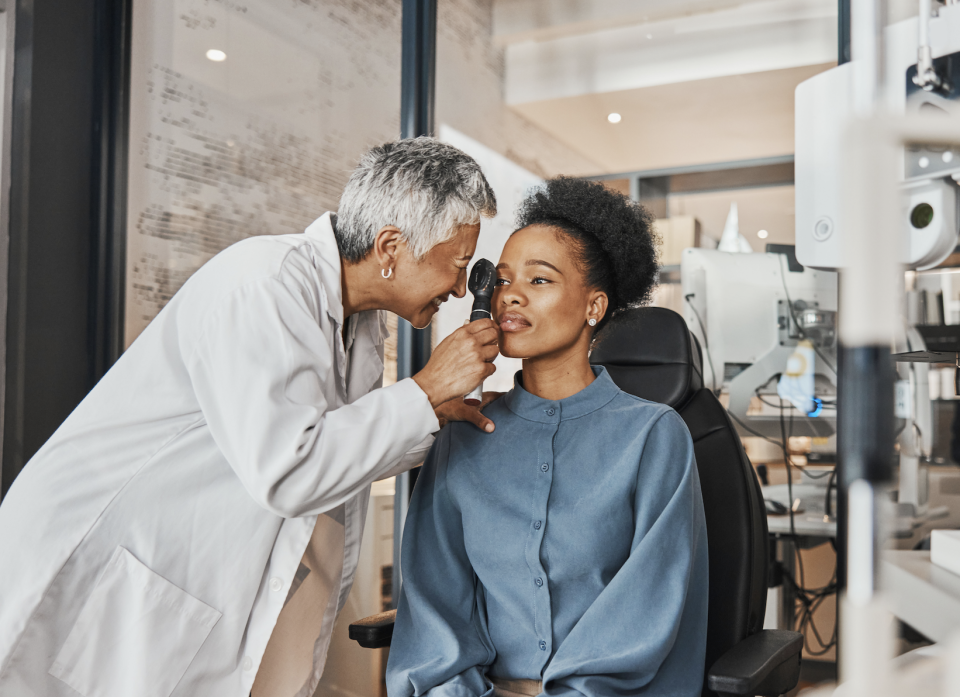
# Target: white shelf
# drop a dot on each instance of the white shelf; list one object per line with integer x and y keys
{"x": 922, "y": 594}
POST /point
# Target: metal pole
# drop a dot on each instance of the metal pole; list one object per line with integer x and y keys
{"x": 418, "y": 67}
{"x": 867, "y": 325}
{"x": 111, "y": 133}
{"x": 843, "y": 31}
{"x": 865, "y": 414}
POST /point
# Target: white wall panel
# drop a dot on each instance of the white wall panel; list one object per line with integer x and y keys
{"x": 751, "y": 38}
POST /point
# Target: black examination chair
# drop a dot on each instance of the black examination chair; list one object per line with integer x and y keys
{"x": 649, "y": 352}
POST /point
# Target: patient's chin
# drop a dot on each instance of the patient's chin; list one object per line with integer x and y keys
{"x": 511, "y": 348}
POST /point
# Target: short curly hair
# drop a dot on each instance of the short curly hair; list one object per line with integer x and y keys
{"x": 616, "y": 242}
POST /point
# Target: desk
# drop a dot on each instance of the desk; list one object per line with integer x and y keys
{"x": 921, "y": 594}
{"x": 811, "y": 522}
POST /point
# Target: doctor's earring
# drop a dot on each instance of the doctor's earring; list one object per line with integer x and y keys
{"x": 592, "y": 322}
{"x": 386, "y": 273}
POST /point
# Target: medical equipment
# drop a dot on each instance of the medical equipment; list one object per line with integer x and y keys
{"x": 759, "y": 317}
{"x": 825, "y": 104}
{"x": 482, "y": 283}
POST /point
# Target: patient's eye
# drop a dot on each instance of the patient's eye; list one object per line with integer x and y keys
{"x": 540, "y": 280}
{"x": 503, "y": 282}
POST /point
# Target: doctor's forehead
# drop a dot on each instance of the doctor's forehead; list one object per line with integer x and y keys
{"x": 465, "y": 242}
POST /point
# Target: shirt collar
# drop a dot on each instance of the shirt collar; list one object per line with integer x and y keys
{"x": 594, "y": 396}
{"x": 320, "y": 234}
{"x": 373, "y": 322}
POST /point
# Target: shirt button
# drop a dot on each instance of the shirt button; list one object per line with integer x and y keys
{"x": 247, "y": 663}
{"x": 551, "y": 411}
{"x": 536, "y": 526}
{"x": 539, "y": 581}
{"x": 543, "y": 645}
{"x": 275, "y": 584}
{"x": 544, "y": 467}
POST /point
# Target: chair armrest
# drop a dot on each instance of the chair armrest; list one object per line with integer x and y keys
{"x": 374, "y": 632}
{"x": 766, "y": 663}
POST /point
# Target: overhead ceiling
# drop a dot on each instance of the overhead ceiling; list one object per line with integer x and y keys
{"x": 721, "y": 119}
{"x": 694, "y": 81}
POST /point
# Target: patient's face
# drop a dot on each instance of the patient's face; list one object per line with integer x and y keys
{"x": 541, "y": 302}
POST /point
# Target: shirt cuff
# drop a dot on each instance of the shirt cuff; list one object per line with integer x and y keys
{"x": 421, "y": 412}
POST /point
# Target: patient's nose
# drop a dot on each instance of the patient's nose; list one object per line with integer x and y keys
{"x": 507, "y": 296}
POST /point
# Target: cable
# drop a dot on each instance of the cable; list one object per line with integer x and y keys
{"x": 783, "y": 280}
{"x": 751, "y": 431}
{"x": 780, "y": 445}
{"x": 827, "y": 505}
{"x": 826, "y": 405}
{"x": 809, "y": 599}
{"x": 706, "y": 345}
{"x": 789, "y": 464}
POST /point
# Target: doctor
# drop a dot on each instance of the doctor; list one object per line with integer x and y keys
{"x": 193, "y": 527}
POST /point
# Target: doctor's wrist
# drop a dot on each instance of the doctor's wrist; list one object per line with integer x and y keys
{"x": 429, "y": 388}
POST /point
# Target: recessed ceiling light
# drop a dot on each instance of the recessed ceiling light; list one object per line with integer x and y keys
{"x": 216, "y": 55}
{"x": 763, "y": 234}
{"x": 614, "y": 117}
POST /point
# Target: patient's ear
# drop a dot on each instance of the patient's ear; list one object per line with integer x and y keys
{"x": 597, "y": 305}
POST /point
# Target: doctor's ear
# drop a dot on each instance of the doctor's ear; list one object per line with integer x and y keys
{"x": 386, "y": 246}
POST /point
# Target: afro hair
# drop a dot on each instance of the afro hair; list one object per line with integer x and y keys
{"x": 615, "y": 237}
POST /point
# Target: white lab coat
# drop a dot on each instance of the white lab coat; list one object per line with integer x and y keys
{"x": 148, "y": 547}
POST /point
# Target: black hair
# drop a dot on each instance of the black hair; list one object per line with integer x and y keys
{"x": 614, "y": 238}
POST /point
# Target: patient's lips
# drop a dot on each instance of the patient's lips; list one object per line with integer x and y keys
{"x": 513, "y": 322}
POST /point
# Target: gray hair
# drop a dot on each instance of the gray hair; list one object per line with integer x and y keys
{"x": 426, "y": 188}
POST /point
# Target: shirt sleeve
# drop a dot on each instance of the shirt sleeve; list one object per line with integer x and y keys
{"x": 260, "y": 372}
{"x": 413, "y": 458}
{"x": 645, "y": 634}
{"x": 440, "y": 645}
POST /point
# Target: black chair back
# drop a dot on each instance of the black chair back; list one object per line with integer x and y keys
{"x": 649, "y": 352}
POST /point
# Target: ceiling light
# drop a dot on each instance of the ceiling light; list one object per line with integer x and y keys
{"x": 216, "y": 55}
{"x": 614, "y": 117}
{"x": 763, "y": 234}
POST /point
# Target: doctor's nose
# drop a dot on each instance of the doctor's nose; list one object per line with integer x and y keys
{"x": 460, "y": 289}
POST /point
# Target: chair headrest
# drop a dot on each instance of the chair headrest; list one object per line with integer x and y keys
{"x": 650, "y": 353}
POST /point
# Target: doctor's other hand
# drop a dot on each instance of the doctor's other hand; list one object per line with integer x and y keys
{"x": 460, "y": 362}
{"x": 457, "y": 410}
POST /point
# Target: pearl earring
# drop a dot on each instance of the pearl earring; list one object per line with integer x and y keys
{"x": 592, "y": 322}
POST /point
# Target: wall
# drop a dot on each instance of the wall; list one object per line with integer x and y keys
{"x": 263, "y": 142}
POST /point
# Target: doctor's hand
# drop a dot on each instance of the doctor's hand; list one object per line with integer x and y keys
{"x": 457, "y": 410}
{"x": 460, "y": 362}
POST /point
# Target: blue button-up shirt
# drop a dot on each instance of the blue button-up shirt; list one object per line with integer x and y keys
{"x": 569, "y": 546}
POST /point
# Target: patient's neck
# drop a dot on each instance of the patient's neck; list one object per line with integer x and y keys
{"x": 557, "y": 376}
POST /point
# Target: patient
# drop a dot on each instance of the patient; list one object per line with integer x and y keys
{"x": 565, "y": 553}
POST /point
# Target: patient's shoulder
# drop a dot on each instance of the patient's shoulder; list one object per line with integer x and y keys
{"x": 628, "y": 406}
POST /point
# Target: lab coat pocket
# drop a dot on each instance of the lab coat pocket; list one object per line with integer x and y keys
{"x": 136, "y": 634}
